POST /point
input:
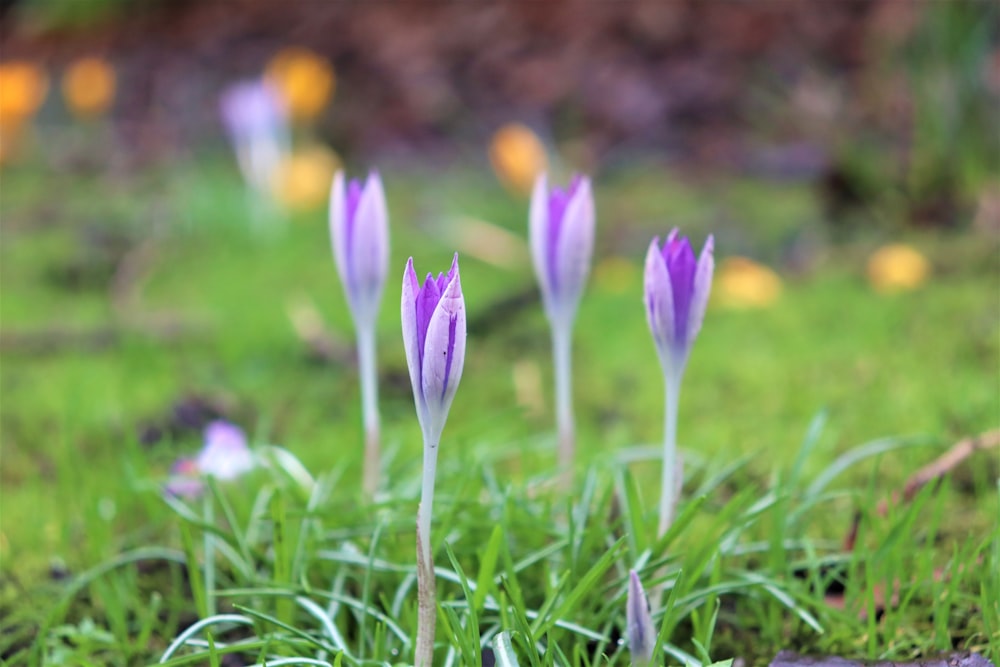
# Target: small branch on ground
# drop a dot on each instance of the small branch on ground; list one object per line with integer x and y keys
{"x": 932, "y": 472}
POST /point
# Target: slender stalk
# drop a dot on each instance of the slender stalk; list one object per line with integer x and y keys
{"x": 562, "y": 342}
{"x": 426, "y": 585}
{"x": 369, "y": 407}
{"x": 669, "y": 490}
{"x": 209, "y": 516}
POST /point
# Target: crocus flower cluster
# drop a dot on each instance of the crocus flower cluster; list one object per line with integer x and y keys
{"x": 359, "y": 230}
{"x": 562, "y": 241}
{"x": 433, "y": 316}
{"x": 225, "y": 456}
{"x": 676, "y": 294}
{"x": 255, "y": 120}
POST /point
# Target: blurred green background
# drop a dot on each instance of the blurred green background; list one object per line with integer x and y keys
{"x": 146, "y": 290}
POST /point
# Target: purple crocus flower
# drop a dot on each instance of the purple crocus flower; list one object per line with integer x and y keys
{"x": 255, "y": 119}
{"x": 639, "y": 630}
{"x": 562, "y": 241}
{"x": 676, "y": 294}
{"x": 359, "y": 230}
{"x": 434, "y": 336}
{"x": 677, "y": 289}
{"x": 225, "y": 456}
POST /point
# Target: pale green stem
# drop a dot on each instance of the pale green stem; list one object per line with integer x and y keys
{"x": 369, "y": 407}
{"x": 562, "y": 354}
{"x": 209, "y": 556}
{"x": 669, "y": 490}
{"x": 426, "y": 585}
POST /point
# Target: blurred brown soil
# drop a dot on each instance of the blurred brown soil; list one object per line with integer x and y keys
{"x": 686, "y": 78}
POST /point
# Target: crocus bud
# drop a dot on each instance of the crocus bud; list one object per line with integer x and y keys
{"x": 359, "y": 229}
{"x": 254, "y": 118}
{"x": 676, "y": 292}
{"x": 638, "y": 623}
{"x": 562, "y": 241}
{"x": 434, "y": 337}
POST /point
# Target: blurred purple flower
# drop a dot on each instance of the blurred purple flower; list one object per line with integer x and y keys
{"x": 676, "y": 294}
{"x": 562, "y": 241}
{"x": 639, "y": 630}
{"x": 434, "y": 337}
{"x": 225, "y": 456}
{"x": 255, "y": 119}
{"x": 676, "y": 290}
{"x": 184, "y": 480}
{"x": 359, "y": 230}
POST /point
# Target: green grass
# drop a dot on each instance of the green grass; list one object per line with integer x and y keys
{"x": 895, "y": 380}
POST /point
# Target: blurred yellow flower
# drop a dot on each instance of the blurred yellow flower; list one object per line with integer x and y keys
{"x": 616, "y": 275}
{"x": 897, "y": 268}
{"x": 88, "y": 86}
{"x": 303, "y": 180}
{"x": 743, "y": 283}
{"x": 518, "y": 156}
{"x": 23, "y": 86}
{"x": 305, "y": 80}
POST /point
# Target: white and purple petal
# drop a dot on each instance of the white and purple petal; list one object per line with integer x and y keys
{"x": 360, "y": 236}
{"x": 444, "y": 350}
{"x": 676, "y": 292}
{"x": 225, "y": 455}
{"x": 538, "y": 223}
{"x": 701, "y": 289}
{"x": 412, "y": 342}
{"x": 679, "y": 257}
{"x": 639, "y": 629}
{"x": 338, "y": 226}
{"x": 574, "y": 246}
{"x": 659, "y": 299}
{"x": 368, "y": 241}
{"x": 561, "y": 225}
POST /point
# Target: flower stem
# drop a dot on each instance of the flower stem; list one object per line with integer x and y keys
{"x": 669, "y": 490}
{"x": 426, "y": 585}
{"x": 209, "y": 516}
{"x": 563, "y": 361}
{"x": 369, "y": 407}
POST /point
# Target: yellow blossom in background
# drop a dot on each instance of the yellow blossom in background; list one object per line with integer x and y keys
{"x": 743, "y": 283}
{"x": 518, "y": 156}
{"x": 23, "y": 86}
{"x": 897, "y": 268}
{"x": 304, "y": 79}
{"x": 88, "y": 86}
{"x": 616, "y": 275}
{"x": 303, "y": 180}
